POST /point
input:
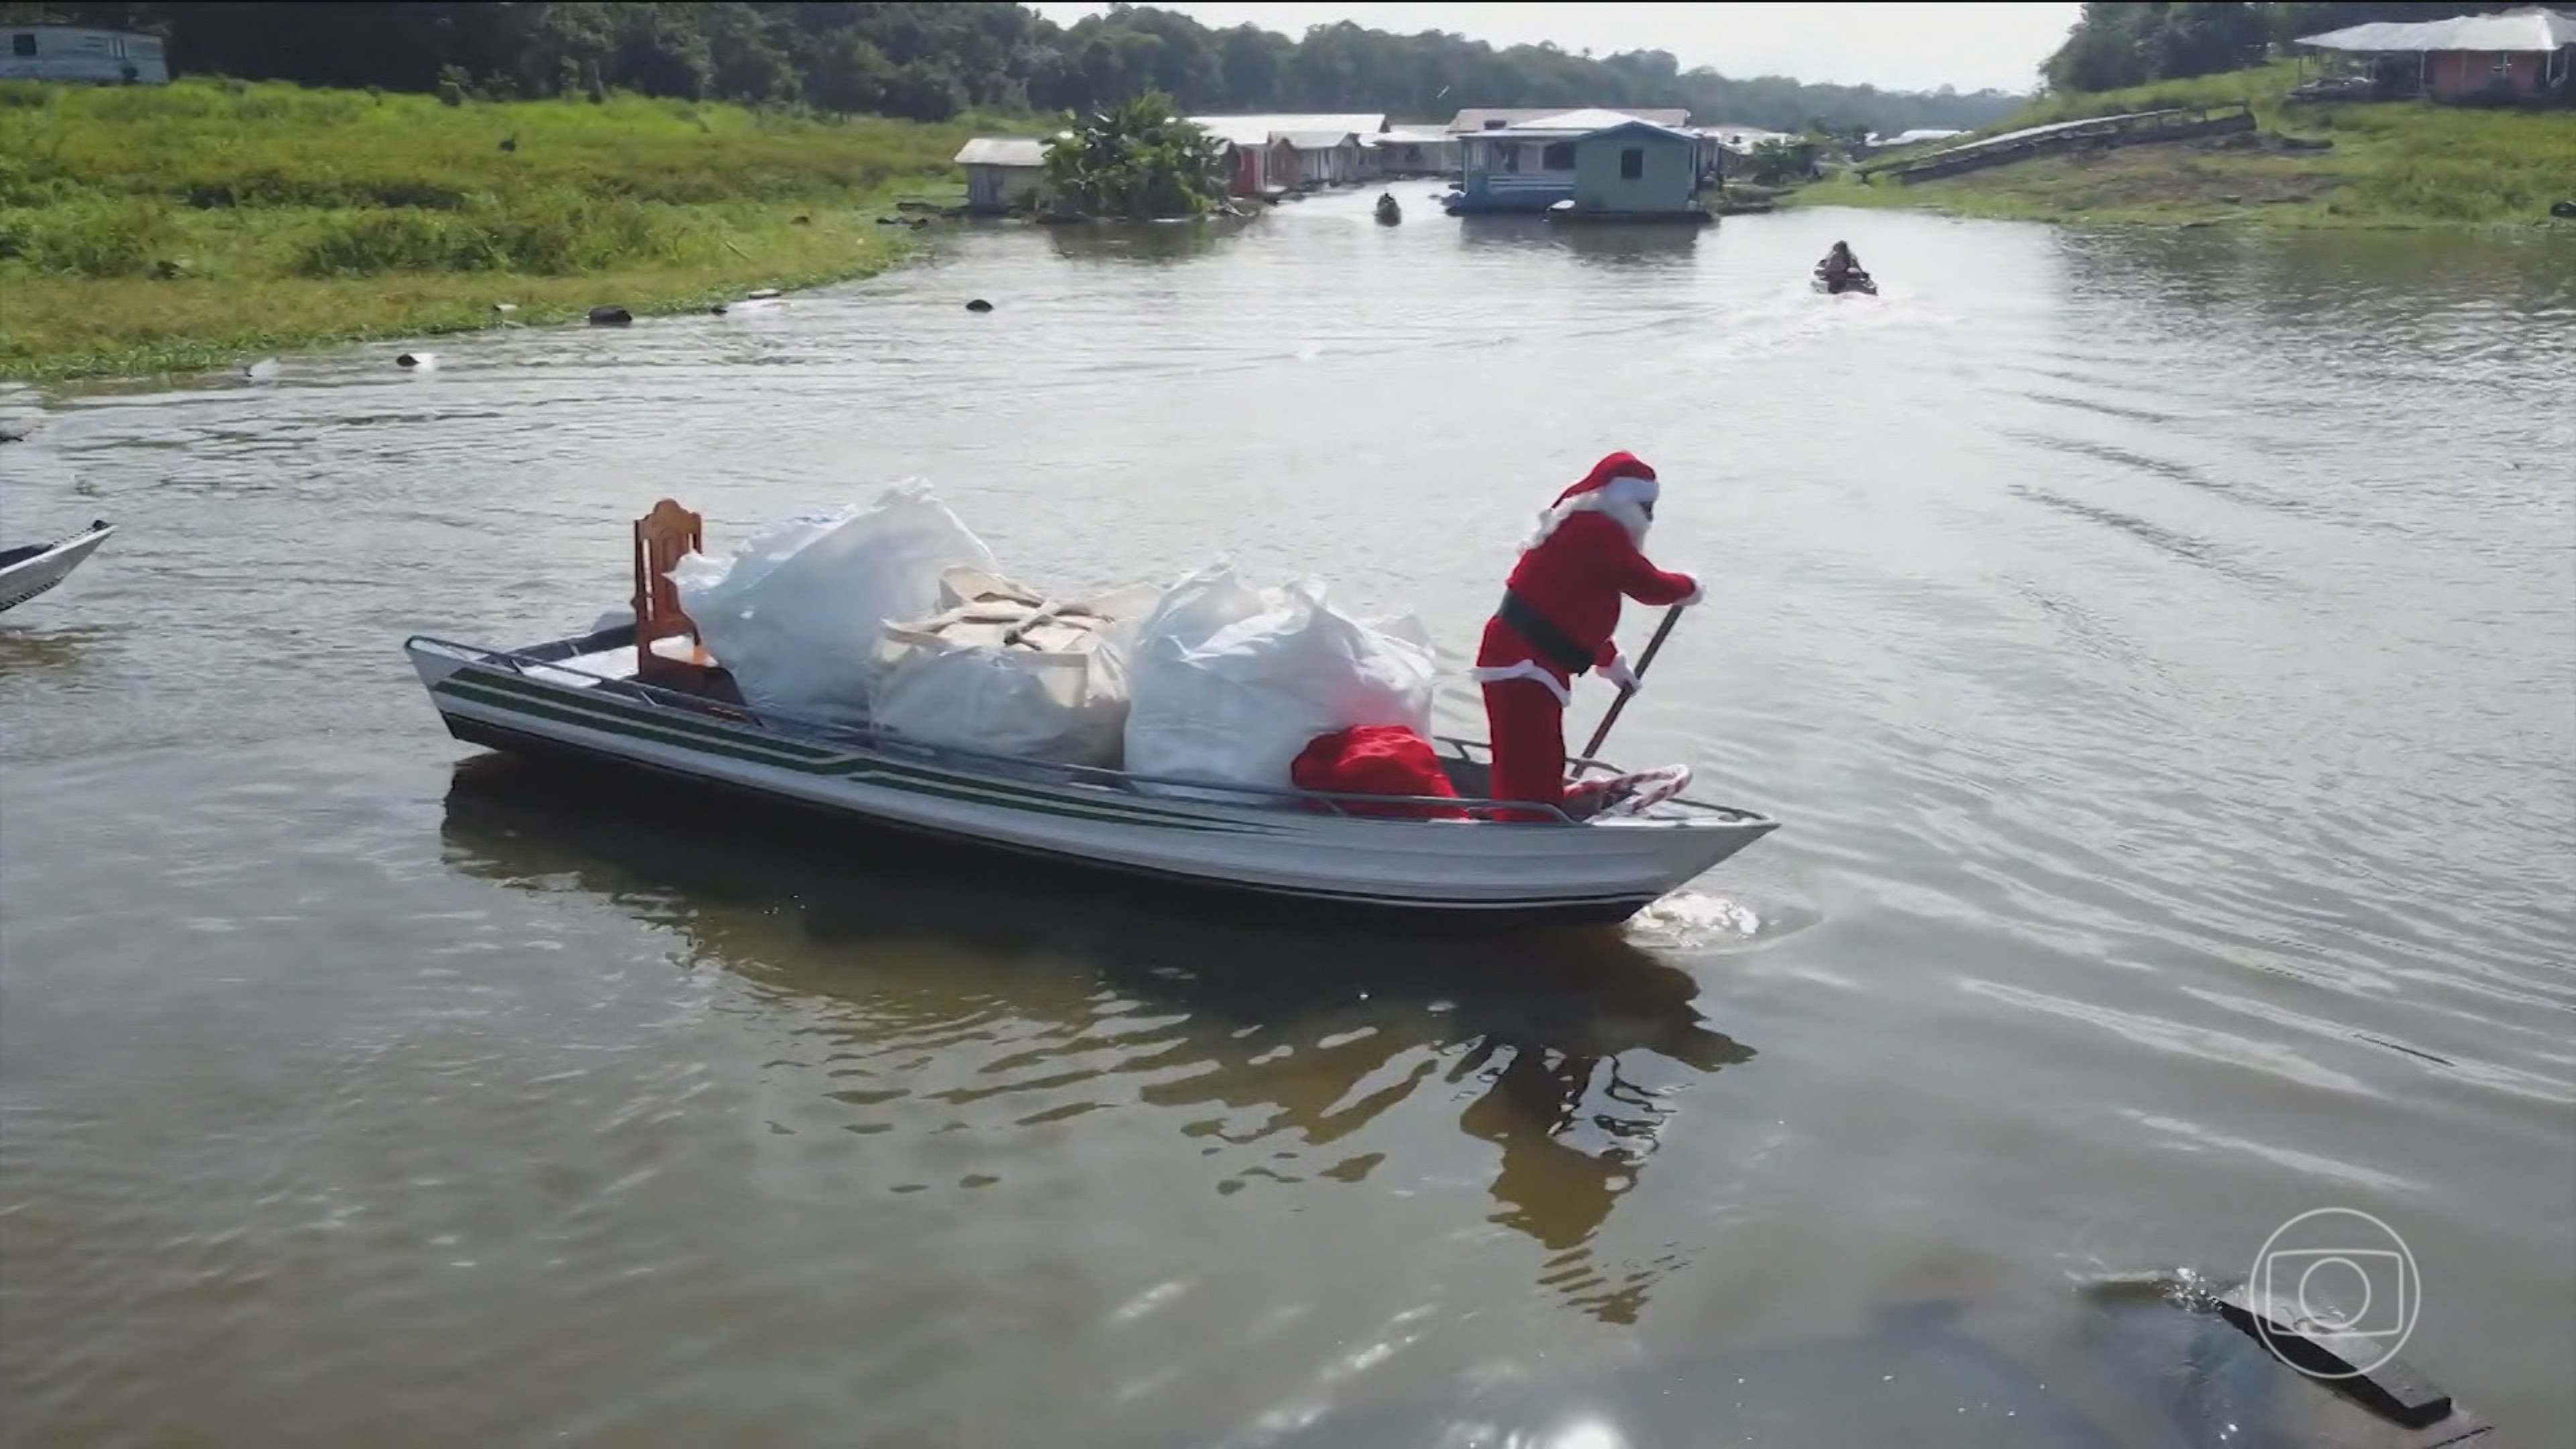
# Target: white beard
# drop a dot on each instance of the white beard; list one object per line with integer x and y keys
{"x": 1623, "y": 499}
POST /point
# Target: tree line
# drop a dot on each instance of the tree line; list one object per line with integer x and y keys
{"x": 931, "y": 61}
{"x": 2132, "y": 44}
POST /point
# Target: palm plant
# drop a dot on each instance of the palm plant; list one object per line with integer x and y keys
{"x": 1135, "y": 161}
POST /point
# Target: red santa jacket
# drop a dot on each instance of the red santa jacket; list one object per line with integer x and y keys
{"x": 1561, "y": 603}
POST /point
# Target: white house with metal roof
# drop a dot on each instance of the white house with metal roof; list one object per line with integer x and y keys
{"x": 1003, "y": 173}
{"x": 1409, "y": 151}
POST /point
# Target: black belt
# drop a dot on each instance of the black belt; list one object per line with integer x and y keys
{"x": 1550, "y": 641}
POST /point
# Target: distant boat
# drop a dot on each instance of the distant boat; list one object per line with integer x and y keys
{"x": 1850, "y": 282}
{"x": 1388, "y": 213}
{"x": 31, "y": 570}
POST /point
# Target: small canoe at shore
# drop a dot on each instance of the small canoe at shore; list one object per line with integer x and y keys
{"x": 577, "y": 701}
{"x": 31, "y": 570}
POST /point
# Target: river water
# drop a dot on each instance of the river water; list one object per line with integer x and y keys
{"x": 2160, "y": 647}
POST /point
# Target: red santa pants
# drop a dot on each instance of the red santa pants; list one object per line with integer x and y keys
{"x": 1528, "y": 726}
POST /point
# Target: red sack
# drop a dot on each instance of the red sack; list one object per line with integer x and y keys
{"x": 1375, "y": 760}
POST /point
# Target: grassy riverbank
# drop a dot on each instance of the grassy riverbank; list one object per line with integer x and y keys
{"x": 195, "y": 225}
{"x": 2392, "y": 164}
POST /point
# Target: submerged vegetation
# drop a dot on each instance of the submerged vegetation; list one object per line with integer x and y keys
{"x": 2387, "y": 163}
{"x": 184, "y": 226}
{"x": 1134, "y": 162}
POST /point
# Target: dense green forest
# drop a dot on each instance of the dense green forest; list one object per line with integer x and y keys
{"x": 2131, "y": 44}
{"x": 932, "y": 61}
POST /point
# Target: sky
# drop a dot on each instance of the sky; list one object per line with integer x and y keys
{"x": 1892, "y": 46}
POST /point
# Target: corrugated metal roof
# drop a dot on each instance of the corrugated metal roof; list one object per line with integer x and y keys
{"x": 2534, "y": 28}
{"x": 1475, "y": 120}
{"x": 1253, "y": 130}
{"x": 1408, "y": 136}
{"x": 1002, "y": 151}
{"x": 1572, "y": 125}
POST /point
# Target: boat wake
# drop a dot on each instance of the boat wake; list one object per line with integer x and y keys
{"x": 1688, "y": 918}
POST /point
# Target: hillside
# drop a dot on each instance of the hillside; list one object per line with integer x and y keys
{"x": 190, "y": 226}
{"x": 2390, "y": 164}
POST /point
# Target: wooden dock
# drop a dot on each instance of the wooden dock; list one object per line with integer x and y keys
{"x": 2139, "y": 128}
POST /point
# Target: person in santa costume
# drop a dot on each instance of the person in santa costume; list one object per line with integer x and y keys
{"x": 1560, "y": 608}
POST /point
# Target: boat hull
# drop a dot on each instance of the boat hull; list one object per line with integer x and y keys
{"x": 25, "y": 578}
{"x": 1596, "y": 873}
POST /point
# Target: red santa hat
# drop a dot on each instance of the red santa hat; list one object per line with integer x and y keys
{"x": 1620, "y": 485}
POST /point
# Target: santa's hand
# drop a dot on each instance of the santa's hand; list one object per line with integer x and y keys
{"x": 1698, "y": 592}
{"x": 1618, "y": 673}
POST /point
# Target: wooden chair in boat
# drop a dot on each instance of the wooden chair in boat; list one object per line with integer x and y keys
{"x": 662, "y": 538}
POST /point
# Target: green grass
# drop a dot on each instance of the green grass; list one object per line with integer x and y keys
{"x": 2401, "y": 163}
{"x": 190, "y": 226}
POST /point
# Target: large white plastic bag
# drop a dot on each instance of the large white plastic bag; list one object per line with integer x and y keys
{"x": 795, "y": 613}
{"x": 1230, "y": 685}
{"x": 1058, "y": 692}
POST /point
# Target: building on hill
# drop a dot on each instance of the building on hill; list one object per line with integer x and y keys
{"x": 2519, "y": 54}
{"x": 80, "y": 53}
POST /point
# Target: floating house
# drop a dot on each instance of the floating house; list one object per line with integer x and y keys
{"x": 2517, "y": 55}
{"x": 80, "y": 53}
{"x": 1325, "y": 158}
{"x": 1254, "y": 161}
{"x": 1003, "y": 173}
{"x": 1601, "y": 164}
{"x": 1262, "y": 160}
{"x": 1409, "y": 152}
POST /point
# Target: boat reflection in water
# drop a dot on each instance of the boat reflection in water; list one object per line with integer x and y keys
{"x": 1581, "y": 1040}
{"x": 1610, "y": 245}
{"x": 903, "y": 959}
{"x": 1166, "y": 241}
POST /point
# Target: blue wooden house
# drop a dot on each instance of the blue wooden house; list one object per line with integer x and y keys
{"x": 1604, "y": 163}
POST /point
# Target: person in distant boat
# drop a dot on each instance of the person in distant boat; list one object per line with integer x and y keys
{"x": 1840, "y": 265}
{"x": 1560, "y": 607}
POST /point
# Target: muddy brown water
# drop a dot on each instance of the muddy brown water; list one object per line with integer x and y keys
{"x": 2160, "y": 647}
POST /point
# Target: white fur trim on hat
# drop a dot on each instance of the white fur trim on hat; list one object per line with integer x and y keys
{"x": 1624, "y": 499}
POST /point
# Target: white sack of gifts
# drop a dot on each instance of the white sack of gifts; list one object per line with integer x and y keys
{"x": 795, "y": 614}
{"x": 1003, "y": 670}
{"x": 1229, "y": 684}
